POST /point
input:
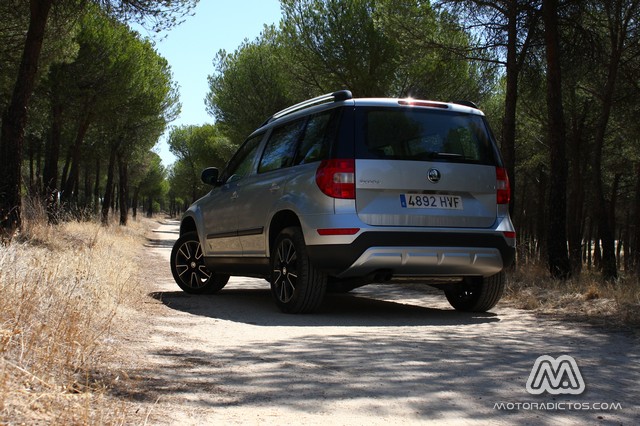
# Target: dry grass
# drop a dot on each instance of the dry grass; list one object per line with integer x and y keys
{"x": 585, "y": 298}
{"x": 62, "y": 288}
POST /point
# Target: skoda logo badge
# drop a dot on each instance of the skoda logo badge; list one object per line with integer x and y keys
{"x": 434, "y": 175}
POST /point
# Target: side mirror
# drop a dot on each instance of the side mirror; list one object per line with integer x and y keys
{"x": 210, "y": 176}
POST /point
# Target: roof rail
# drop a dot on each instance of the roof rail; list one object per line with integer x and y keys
{"x": 341, "y": 95}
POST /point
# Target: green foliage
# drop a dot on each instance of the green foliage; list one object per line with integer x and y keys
{"x": 155, "y": 15}
{"x": 59, "y": 45}
{"x": 371, "y": 47}
{"x": 340, "y": 44}
{"x": 116, "y": 96}
{"x": 58, "y": 19}
{"x": 249, "y": 85}
{"x": 152, "y": 176}
{"x": 196, "y": 147}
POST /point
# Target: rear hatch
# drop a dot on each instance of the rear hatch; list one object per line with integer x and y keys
{"x": 425, "y": 166}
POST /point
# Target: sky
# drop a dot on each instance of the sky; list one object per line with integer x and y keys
{"x": 191, "y": 47}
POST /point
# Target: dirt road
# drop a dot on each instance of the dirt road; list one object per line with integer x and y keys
{"x": 379, "y": 355}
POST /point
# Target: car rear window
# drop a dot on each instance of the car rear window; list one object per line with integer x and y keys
{"x": 426, "y": 135}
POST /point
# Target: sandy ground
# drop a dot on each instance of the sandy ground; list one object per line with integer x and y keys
{"x": 381, "y": 354}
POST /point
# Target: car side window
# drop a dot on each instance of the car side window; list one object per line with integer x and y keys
{"x": 240, "y": 165}
{"x": 280, "y": 148}
{"x": 316, "y": 142}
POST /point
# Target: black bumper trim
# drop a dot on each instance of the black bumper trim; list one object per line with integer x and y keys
{"x": 336, "y": 258}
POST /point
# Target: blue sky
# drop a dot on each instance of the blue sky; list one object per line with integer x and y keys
{"x": 191, "y": 47}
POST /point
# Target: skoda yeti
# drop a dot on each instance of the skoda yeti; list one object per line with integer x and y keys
{"x": 335, "y": 193}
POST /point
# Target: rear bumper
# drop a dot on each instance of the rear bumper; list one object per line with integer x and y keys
{"x": 415, "y": 254}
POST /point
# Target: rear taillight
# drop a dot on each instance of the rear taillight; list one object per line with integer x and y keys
{"x": 336, "y": 178}
{"x": 509, "y": 234}
{"x": 503, "y": 193}
{"x": 338, "y": 231}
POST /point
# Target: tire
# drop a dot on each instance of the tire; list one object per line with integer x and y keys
{"x": 189, "y": 270}
{"x": 296, "y": 285}
{"x": 478, "y": 294}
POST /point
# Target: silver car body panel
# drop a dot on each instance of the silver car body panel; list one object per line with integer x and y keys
{"x": 381, "y": 183}
{"x": 425, "y": 261}
{"x": 234, "y": 220}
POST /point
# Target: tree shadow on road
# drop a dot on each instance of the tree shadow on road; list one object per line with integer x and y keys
{"x": 255, "y": 306}
{"x": 381, "y": 358}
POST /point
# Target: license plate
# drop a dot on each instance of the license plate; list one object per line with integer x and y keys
{"x": 431, "y": 201}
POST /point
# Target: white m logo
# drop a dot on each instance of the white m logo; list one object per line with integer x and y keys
{"x": 555, "y": 376}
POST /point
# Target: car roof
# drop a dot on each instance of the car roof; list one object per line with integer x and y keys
{"x": 344, "y": 98}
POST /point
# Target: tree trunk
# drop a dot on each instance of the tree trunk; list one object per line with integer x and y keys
{"x": 68, "y": 192}
{"x": 123, "y": 190}
{"x": 108, "y": 191}
{"x": 576, "y": 193}
{"x": 96, "y": 187}
{"x": 590, "y": 255}
{"x": 114, "y": 198}
{"x": 511, "y": 99}
{"x": 31, "y": 171}
{"x": 620, "y": 246}
{"x": 51, "y": 158}
{"x": 14, "y": 120}
{"x": 39, "y": 167}
{"x": 65, "y": 169}
{"x": 635, "y": 250}
{"x": 558, "y": 257}
{"x": 541, "y": 216}
{"x": 134, "y": 202}
{"x": 86, "y": 192}
{"x": 617, "y": 34}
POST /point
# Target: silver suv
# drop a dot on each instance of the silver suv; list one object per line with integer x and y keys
{"x": 335, "y": 193}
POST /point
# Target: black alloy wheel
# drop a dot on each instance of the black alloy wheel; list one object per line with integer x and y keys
{"x": 189, "y": 270}
{"x": 297, "y": 286}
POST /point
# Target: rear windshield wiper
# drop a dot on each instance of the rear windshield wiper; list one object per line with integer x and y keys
{"x": 441, "y": 156}
{"x": 449, "y": 155}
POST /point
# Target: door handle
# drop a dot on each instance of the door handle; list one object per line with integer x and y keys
{"x": 274, "y": 187}
{"x": 234, "y": 195}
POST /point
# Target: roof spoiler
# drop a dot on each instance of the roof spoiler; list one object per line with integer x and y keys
{"x": 466, "y": 103}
